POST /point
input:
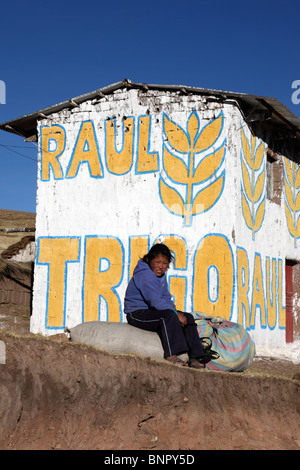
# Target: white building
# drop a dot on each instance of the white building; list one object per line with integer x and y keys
{"x": 214, "y": 174}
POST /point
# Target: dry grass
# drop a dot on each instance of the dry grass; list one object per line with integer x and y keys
{"x": 14, "y": 270}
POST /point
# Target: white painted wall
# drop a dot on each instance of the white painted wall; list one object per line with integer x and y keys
{"x": 119, "y": 208}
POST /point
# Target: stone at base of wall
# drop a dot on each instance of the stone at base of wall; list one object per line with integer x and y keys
{"x": 118, "y": 338}
{"x": 122, "y": 338}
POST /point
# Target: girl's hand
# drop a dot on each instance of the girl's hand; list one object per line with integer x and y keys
{"x": 182, "y": 318}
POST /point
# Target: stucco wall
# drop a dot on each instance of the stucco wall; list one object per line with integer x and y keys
{"x": 117, "y": 174}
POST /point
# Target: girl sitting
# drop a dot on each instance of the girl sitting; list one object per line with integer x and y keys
{"x": 149, "y": 306}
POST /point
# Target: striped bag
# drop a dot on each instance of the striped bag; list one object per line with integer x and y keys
{"x": 230, "y": 340}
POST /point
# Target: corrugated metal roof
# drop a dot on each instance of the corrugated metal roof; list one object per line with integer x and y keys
{"x": 251, "y": 106}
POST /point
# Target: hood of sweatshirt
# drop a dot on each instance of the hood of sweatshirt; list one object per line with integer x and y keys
{"x": 145, "y": 290}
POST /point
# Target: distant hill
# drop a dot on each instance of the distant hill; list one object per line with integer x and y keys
{"x": 17, "y": 219}
{"x": 14, "y": 219}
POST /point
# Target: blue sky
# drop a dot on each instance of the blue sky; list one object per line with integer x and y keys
{"x": 54, "y": 51}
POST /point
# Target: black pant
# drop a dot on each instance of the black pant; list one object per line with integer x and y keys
{"x": 175, "y": 338}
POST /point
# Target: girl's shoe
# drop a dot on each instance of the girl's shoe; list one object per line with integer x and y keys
{"x": 177, "y": 360}
{"x": 196, "y": 364}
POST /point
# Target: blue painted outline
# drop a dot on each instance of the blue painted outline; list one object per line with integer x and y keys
{"x": 243, "y": 191}
{"x": 242, "y": 159}
{"x": 65, "y": 276}
{"x": 184, "y": 203}
{"x": 263, "y": 194}
{"x": 209, "y": 155}
{"x": 188, "y": 154}
{"x": 283, "y": 292}
{"x": 175, "y": 268}
{"x": 272, "y": 299}
{"x": 198, "y": 135}
{"x": 49, "y": 141}
{"x": 263, "y": 327}
{"x": 168, "y": 146}
{"x": 50, "y": 167}
{"x": 164, "y": 115}
{"x": 148, "y": 147}
{"x": 186, "y": 245}
{"x": 233, "y": 269}
{"x": 199, "y": 127}
{"x": 257, "y": 147}
{"x": 263, "y": 219}
{"x": 244, "y": 307}
{"x": 178, "y": 158}
{"x": 123, "y": 141}
{"x": 199, "y": 132}
{"x": 100, "y": 262}
{"x": 255, "y": 214}
{"x": 185, "y": 290}
{"x": 113, "y": 288}
{"x": 208, "y": 283}
{"x": 297, "y": 215}
{"x": 221, "y": 192}
{"x": 130, "y": 237}
{"x": 85, "y": 161}
{"x": 243, "y": 194}
{"x": 160, "y": 197}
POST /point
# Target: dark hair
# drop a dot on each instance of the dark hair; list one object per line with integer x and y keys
{"x": 158, "y": 249}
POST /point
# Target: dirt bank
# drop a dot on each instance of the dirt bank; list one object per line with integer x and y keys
{"x": 61, "y": 395}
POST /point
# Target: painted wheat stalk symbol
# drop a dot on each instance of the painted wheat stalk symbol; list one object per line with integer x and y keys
{"x": 253, "y": 186}
{"x": 187, "y": 162}
{"x": 292, "y": 198}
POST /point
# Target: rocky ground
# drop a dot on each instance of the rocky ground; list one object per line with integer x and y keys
{"x": 55, "y": 394}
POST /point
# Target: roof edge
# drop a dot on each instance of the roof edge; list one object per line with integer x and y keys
{"x": 25, "y": 126}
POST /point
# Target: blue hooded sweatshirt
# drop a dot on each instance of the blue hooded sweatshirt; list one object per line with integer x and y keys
{"x": 146, "y": 290}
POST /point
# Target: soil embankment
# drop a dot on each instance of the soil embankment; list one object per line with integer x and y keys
{"x": 62, "y": 395}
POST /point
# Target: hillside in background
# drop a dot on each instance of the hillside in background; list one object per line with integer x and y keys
{"x": 14, "y": 219}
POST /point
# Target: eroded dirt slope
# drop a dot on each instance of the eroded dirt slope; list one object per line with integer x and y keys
{"x": 61, "y": 395}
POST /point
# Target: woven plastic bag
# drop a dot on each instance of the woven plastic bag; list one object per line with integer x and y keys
{"x": 230, "y": 340}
